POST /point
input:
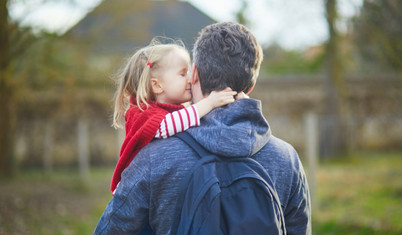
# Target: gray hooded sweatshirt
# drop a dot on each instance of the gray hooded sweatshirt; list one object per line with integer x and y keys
{"x": 150, "y": 186}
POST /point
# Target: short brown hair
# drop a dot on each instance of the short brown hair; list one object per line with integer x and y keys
{"x": 227, "y": 55}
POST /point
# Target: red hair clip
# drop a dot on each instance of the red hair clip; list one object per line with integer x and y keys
{"x": 149, "y": 64}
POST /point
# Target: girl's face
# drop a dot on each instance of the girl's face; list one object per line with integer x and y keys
{"x": 174, "y": 78}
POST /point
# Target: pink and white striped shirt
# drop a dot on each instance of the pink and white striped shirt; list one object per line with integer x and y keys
{"x": 178, "y": 121}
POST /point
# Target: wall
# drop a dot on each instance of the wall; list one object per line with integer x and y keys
{"x": 371, "y": 119}
{"x": 371, "y": 109}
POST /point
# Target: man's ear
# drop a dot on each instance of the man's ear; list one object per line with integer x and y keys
{"x": 194, "y": 74}
{"x": 157, "y": 88}
{"x": 251, "y": 89}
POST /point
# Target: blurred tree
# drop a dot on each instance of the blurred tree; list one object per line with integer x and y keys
{"x": 41, "y": 76}
{"x": 278, "y": 61}
{"x": 14, "y": 41}
{"x": 241, "y": 14}
{"x": 333, "y": 84}
{"x": 15, "y": 83}
{"x": 7, "y": 87}
{"x": 378, "y": 34}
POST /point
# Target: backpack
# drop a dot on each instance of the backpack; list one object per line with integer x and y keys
{"x": 228, "y": 196}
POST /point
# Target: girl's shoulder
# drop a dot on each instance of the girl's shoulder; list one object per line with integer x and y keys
{"x": 134, "y": 111}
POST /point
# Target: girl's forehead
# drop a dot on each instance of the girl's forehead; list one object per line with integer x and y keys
{"x": 176, "y": 56}
{"x": 181, "y": 53}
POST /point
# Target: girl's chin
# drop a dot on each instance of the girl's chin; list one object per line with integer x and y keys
{"x": 187, "y": 101}
{"x": 186, "y": 104}
{"x": 187, "y": 96}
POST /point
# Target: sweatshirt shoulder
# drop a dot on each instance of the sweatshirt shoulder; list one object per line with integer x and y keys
{"x": 281, "y": 157}
{"x": 165, "y": 153}
{"x": 281, "y": 146}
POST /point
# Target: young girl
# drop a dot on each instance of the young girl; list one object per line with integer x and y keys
{"x": 151, "y": 88}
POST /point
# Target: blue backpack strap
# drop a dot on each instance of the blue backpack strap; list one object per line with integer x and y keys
{"x": 204, "y": 157}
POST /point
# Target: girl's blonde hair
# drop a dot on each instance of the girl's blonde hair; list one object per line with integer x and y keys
{"x": 133, "y": 80}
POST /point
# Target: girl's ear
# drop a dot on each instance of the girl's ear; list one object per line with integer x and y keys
{"x": 157, "y": 87}
{"x": 194, "y": 74}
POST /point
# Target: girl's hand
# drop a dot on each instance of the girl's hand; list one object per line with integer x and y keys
{"x": 220, "y": 98}
{"x": 241, "y": 95}
{"x": 214, "y": 100}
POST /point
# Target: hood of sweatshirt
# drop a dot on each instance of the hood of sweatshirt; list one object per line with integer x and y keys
{"x": 235, "y": 130}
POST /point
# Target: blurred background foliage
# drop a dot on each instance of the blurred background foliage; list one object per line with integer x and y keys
{"x": 56, "y": 90}
{"x": 377, "y": 36}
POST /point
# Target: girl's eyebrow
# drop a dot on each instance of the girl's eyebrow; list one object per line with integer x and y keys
{"x": 184, "y": 69}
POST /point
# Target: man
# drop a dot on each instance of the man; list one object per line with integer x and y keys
{"x": 225, "y": 55}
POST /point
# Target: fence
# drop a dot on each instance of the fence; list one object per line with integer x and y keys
{"x": 374, "y": 124}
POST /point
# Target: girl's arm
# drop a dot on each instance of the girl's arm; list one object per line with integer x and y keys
{"x": 183, "y": 119}
{"x": 178, "y": 121}
{"x": 214, "y": 100}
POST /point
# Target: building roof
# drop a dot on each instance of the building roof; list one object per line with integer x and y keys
{"x": 116, "y": 26}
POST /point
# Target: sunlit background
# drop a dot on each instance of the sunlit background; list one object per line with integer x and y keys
{"x": 330, "y": 85}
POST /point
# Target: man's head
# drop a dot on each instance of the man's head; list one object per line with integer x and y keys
{"x": 226, "y": 55}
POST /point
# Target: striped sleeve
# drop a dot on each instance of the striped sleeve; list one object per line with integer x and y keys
{"x": 178, "y": 121}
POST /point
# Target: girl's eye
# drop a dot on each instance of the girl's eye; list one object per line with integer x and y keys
{"x": 184, "y": 72}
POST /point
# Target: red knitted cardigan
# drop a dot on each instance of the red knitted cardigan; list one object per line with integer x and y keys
{"x": 141, "y": 127}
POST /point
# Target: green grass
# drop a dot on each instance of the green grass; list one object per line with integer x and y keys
{"x": 59, "y": 203}
{"x": 359, "y": 194}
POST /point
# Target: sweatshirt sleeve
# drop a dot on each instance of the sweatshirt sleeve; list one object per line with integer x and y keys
{"x": 178, "y": 121}
{"x": 298, "y": 209}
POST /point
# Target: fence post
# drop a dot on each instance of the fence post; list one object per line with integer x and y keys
{"x": 83, "y": 149}
{"x": 48, "y": 148}
{"x": 311, "y": 125}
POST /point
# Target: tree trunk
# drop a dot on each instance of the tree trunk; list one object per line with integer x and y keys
{"x": 332, "y": 145}
{"x": 7, "y": 108}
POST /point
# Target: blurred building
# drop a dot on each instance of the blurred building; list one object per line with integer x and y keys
{"x": 119, "y": 26}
